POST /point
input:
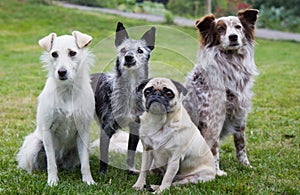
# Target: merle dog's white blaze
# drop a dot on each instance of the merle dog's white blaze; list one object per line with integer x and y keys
{"x": 234, "y": 28}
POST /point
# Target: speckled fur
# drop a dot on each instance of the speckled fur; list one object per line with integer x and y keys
{"x": 219, "y": 87}
{"x": 115, "y": 92}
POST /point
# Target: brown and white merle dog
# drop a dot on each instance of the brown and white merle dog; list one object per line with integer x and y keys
{"x": 219, "y": 87}
{"x": 115, "y": 102}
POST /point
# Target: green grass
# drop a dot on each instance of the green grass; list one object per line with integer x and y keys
{"x": 273, "y": 125}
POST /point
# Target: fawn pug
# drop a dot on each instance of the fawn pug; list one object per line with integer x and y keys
{"x": 171, "y": 141}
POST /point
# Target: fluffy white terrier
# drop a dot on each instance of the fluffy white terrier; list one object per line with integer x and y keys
{"x": 65, "y": 109}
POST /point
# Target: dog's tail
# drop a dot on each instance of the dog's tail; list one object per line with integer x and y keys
{"x": 32, "y": 154}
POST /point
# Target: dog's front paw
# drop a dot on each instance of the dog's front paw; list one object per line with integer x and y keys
{"x": 221, "y": 173}
{"x": 156, "y": 189}
{"x": 88, "y": 180}
{"x": 52, "y": 180}
{"x": 132, "y": 171}
{"x": 139, "y": 186}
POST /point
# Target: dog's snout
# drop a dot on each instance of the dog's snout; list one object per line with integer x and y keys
{"x": 128, "y": 58}
{"x": 62, "y": 72}
{"x": 157, "y": 93}
{"x": 233, "y": 37}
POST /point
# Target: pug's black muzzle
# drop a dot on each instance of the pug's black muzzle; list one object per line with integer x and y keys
{"x": 156, "y": 97}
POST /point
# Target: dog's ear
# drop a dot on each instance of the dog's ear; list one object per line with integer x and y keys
{"x": 180, "y": 87}
{"x": 248, "y": 19}
{"x": 142, "y": 85}
{"x": 149, "y": 37}
{"x": 249, "y": 16}
{"x": 204, "y": 26}
{"x": 121, "y": 34}
{"x": 82, "y": 40}
{"x": 138, "y": 97}
{"x": 46, "y": 42}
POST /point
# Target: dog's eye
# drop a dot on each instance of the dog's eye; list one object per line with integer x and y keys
{"x": 238, "y": 26}
{"x": 54, "y": 54}
{"x": 169, "y": 93}
{"x": 123, "y": 51}
{"x": 140, "y": 51}
{"x": 221, "y": 29}
{"x": 147, "y": 91}
{"x": 72, "y": 53}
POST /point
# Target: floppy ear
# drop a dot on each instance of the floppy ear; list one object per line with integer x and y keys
{"x": 121, "y": 34}
{"x": 205, "y": 23}
{"x": 142, "y": 85}
{"x": 82, "y": 40}
{"x": 149, "y": 37}
{"x": 249, "y": 16}
{"x": 46, "y": 42}
{"x": 248, "y": 19}
{"x": 180, "y": 87}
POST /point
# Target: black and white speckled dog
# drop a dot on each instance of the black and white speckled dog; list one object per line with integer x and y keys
{"x": 115, "y": 105}
{"x": 219, "y": 87}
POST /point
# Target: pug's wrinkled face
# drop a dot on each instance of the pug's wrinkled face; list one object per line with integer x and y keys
{"x": 160, "y": 96}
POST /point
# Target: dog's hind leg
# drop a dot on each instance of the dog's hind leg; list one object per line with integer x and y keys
{"x": 132, "y": 145}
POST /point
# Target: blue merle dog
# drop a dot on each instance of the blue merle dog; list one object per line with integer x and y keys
{"x": 114, "y": 92}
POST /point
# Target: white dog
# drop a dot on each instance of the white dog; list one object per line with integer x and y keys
{"x": 65, "y": 109}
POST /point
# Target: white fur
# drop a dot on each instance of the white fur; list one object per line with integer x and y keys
{"x": 65, "y": 109}
{"x": 118, "y": 143}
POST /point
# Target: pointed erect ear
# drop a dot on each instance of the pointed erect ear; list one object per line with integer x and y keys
{"x": 82, "y": 40}
{"x": 149, "y": 37}
{"x": 180, "y": 87}
{"x": 46, "y": 42}
{"x": 121, "y": 34}
{"x": 142, "y": 85}
{"x": 249, "y": 16}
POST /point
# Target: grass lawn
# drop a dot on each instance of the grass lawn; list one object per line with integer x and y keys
{"x": 273, "y": 126}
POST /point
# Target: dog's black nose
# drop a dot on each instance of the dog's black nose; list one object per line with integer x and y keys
{"x": 62, "y": 72}
{"x": 233, "y": 37}
{"x": 157, "y": 93}
{"x": 128, "y": 58}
